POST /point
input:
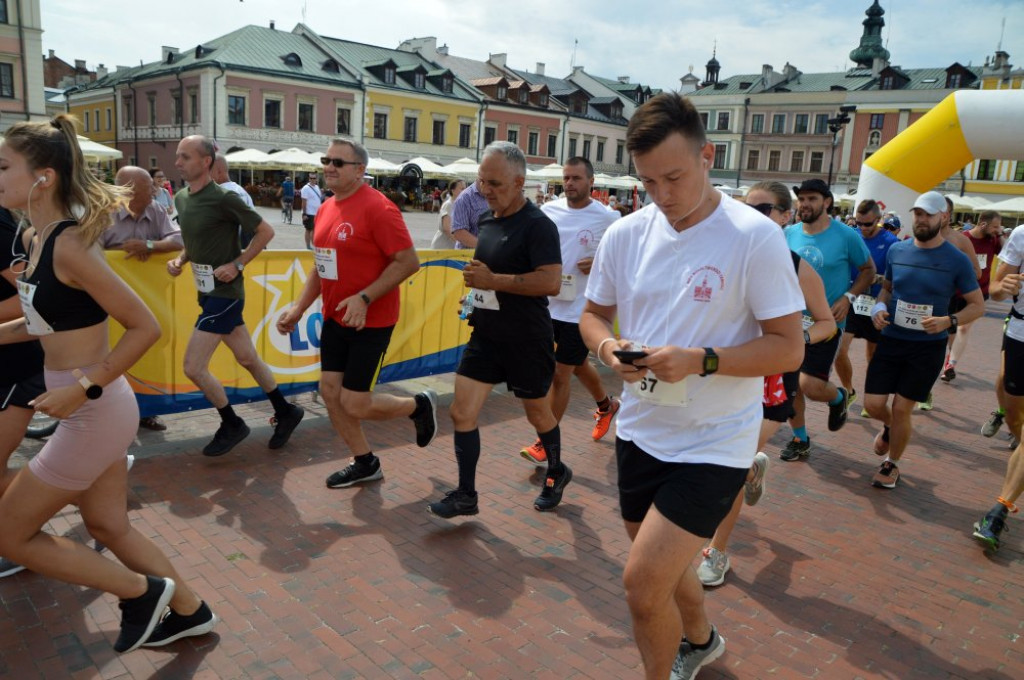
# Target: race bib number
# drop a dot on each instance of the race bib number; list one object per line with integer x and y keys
{"x": 659, "y": 392}
{"x": 34, "y": 323}
{"x": 326, "y": 263}
{"x": 203, "y": 275}
{"x": 911, "y": 316}
{"x": 863, "y": 304}
{"x": 485, "y": 299}
{"x": 568, "y": 290}
{"x": 807, "y": 321}
{"x": 983, "y": 260}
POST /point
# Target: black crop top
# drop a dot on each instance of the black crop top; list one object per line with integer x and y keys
{"x": 49, "y": 304}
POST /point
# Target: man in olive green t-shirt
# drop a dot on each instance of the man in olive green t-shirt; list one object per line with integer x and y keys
{"x": 210, "y": 218}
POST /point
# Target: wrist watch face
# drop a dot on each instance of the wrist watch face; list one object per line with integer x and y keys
{"x": 240, "y": 266}
{"x": 94, "y": 392}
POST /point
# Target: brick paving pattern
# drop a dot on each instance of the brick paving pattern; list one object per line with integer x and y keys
{"x": 831, "y": 578}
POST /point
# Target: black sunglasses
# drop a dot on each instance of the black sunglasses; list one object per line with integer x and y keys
{"x": 766, "y": 208}
{"x": 337, "y": 162}
{"x": 866, "y": 225}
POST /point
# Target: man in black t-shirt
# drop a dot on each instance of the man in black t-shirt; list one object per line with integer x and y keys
{"x": 517, "y": 264}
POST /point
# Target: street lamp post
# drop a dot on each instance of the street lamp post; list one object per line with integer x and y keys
{"x": 835, "y": 125}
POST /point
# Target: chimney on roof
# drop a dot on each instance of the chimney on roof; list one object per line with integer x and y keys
{"x": 623, "y": 79}
{"x": 540, "y": 68}
{"x": 576, "y": 70}
{"x": 877, "y": 66}
{"x": 498, "y": 59}
{"x": 80, "y": 64}
{"x": 789, "y": 71}
{"x": 272, "y": 27}
{"x": 426, "y": 46}
{"x": 165, "y": 51}
{"x": 101, "y": 71}
{"x": 443, "y": 49}
{"x": 51, "y": 55}
{"x": 1001, "y": 60}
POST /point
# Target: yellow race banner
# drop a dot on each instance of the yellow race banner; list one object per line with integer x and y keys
{"x": 427, "y": 340}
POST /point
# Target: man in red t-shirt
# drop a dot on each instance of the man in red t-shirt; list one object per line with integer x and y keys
{"x": 986, "y": 237}
{"x": 363, "y": 251}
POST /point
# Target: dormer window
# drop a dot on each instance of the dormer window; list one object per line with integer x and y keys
{"x": 524, "y": 96}
{"x": 292, "y": 59}
{"x": 447, "y": 84}
{"x": 389, "y": 75}
{"x": 542, "y": 100}
{"x": 331, "y": 66}
{"x": 502, "y": 93}
{"x": 419, "y": 81}
{"x": 887, "y": 83}
{"x": 954, "y": 80}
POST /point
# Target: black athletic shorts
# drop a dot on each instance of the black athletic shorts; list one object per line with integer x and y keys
{"x": 569, "y": 346}
{"x": 219, "y": 315}
{"x": 818, "y": 357}
{"x": 860, "y": 326}
{"x": 358, "y": 355}
{"x": 307, "y": 221}
{"x": 22, "y": 392}
{"x": 905, "y": 367}
{"x": 694, "y": 496}
{"x": 527, "y": 366}
{"x": 1013, "y": 366}
{"x": 780, "y": 413}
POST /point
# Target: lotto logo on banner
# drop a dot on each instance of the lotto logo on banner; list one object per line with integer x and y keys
{"x": 299, "y": 351}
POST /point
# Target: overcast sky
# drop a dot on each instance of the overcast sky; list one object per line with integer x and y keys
{"x": 652, "y": 41}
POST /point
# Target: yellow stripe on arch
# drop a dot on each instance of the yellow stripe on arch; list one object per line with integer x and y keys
{"x": 927, "y": 152}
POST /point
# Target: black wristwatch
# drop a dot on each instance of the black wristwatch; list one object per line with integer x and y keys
{"x": 953, "y": 322}
{"x": 710, "y": 364}
{"x": 92, "y": 390}
{"x": 365, "y": 298}
{"x": 807, "y": 338}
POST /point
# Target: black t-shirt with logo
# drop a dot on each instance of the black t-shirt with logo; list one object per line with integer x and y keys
{"x": 516, "y": 244}
{"x": 24, "y": 359}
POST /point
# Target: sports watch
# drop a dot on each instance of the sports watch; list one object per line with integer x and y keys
{"x": 850, "y": 296}
{"x": 239, "y": 264}
{"x": 365, "y": 298}
{"x": 92, "y": 390}
{"x": 710, "y": 364}
{"x": 953, "y": 322}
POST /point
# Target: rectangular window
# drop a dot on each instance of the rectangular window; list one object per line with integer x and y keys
{"x": 129, "y": 113}
{"x": 96, "y": 118}
{"x": 553, "y": 146}
{"x": 779, "y": 123}
{"x": 600, "y": 152}
{"x": 723, "y": 120}
{"x": 1018, "y": 173}
{"x": 490, "y": 134}
{"x": 753, "y": 159}
{"x": 3, "y": 12}
{"x": 409, "y": 129}
{"x": 877, "y": 121}
{"x": 152, "y": 109}
{"x": 236, "y": 109}
{"x": 272, "y": 113}
{"x": 704, "y": 119}
{"x": 619, "y": 151}
{"x": 572, "y": 148}
{"x": 85, "y": 122}
{"x": 586, "y": 149}
{"x": 175, "y": 110}
{"x": 343, "y": 124}
{"x": 465, "y": 131}
{"x": 757, "y": 123}
{"x": 800, "y": 124}
{"x": 438, "y": 132}
{"x": 774, "y": 158}
{"x": 533, "y": 143}
{"x": 307, "y": 117}
{"x": 796, "y": 162}
{"x": 193, "y": 106}
{"x": 986, "y": 169}
{"x": 720, "y": 156}
{"x": 821, "y": 124}
{"x": 817, "y": 161}
{"x": 109, "y": 117}
{"x": 380, "y": 126}
{"x": 513, "y": 136}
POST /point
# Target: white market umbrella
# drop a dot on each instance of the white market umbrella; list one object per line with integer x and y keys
{"x": 1011, "y": 205}
{"x": 627, "y": 182}
{"x": 295, "y": 159}
{"x": 428, "y": 166}
{"x": 94, "y": 151}
{"x": 604, "y": 181}
{"x": 247, "y": 157}
{"x": 549, "y": 173}
{"x": 381, "y": 166}
{"x": 968, "y": 203}
{"x": 466, "y": 168}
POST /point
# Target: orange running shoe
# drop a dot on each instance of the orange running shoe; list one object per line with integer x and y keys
{"x": 604, "y": 418}
{"x": 535, "y": 453}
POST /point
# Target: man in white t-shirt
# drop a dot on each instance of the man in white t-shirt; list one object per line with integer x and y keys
{"x": 581, "y": 223}
{"x": 705, "y": 288}
{"x": 219, "y": 173}
{"x": 312, "y": 197}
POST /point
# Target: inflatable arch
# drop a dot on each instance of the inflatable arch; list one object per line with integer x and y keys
{"x": 966, "y": 125}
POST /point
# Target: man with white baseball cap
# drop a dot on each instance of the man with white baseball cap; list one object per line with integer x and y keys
{"x": 913, "y": 314}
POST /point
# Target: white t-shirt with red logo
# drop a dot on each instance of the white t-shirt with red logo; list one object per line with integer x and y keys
{"x": 579, "y": 231}
{"x": 707, "y": 286}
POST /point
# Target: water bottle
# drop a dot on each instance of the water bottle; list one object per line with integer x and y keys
{"x": 467, "y": 306}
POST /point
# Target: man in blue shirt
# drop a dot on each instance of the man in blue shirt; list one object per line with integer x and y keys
{"x": 833, "y": 249}
{"x": 912, "y": 312}
{"x": 287, "y": 198}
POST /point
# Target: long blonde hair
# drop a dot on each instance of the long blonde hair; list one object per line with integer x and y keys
{"x": 54, "y": 145}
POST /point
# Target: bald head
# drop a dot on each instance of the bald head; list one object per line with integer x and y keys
{"x": 141, "y": 184}
{"x": 219, "y": 169}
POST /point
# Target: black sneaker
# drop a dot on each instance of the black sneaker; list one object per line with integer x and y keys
{"x": 8, "y": 568}
{"x": 795, "y": 450}
{"x": 948, "y": 375}
{"x": 140, "y": 615}
{"x": 226, "y": 438}
{"x": 551, "y": 495}
{"x": 991, "y": 525}
{"x": 454, "y": 503}
{"x": 837, "y": 412}
{"x": 426, "y": 421}
{"x": 173, "y": 626}
{"x": 355, "y": 474}
{"x": 284, "y": 425}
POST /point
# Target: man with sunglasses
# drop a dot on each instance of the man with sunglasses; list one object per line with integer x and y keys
{"x": 362, "y": 252}
{"x": 833, "y": 249}
{"x": 868, "y": 219}
{"x": 312, "y": 198}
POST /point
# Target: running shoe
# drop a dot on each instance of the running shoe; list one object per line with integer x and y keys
{"x": 992, "y": 425}
{"x": 690, "y": 660}
{"x": 356, "y": 473}
{"x": 8, "y": 568}
{"x": 851, "y": 396}
{"x": 139, "y": 615}
{"x": 228, "y": 436}
{"x": 604, "y": 418}
{"x": 864, "y": 413}
{"x": 173, "y": 626}
{"x": 796, "y": 449}
{"x": 284, "y": 425}
{"x": 551, "y": 495}
{"x": 837, "y": 412}
{"x": 457, "y": 502}
{"x": 753, "y": 490}
{"x": 948, "y": 374}
{"x": 925, "y": 405}
{"x": 426, "y": 418}
{"x": 887, "y": 476}
{"x": 152, "y": 423}
{"x": 713, "y": 567}
{"x": 991, "y": 525}
{"x": 534, "y": 453}
{"x": 1014, "y": 443}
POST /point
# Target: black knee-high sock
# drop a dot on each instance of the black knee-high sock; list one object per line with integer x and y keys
{"x": 552, "y": 441}
{"x": 277, "y": 400}
{"x": 227, "y": 415}
{"x": 467, "y": 454}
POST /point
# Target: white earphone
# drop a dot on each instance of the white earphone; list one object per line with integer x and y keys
{"x": 40, "y": 179}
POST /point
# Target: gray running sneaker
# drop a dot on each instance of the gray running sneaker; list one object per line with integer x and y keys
{"x": 690, "y": 660}
{"x": 713, "y": 567}
{"x": 992, "y": 425}
{"x": 753, "y": 490}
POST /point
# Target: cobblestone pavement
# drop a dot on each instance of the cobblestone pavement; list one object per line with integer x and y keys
{"x": 831, "y": 578}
